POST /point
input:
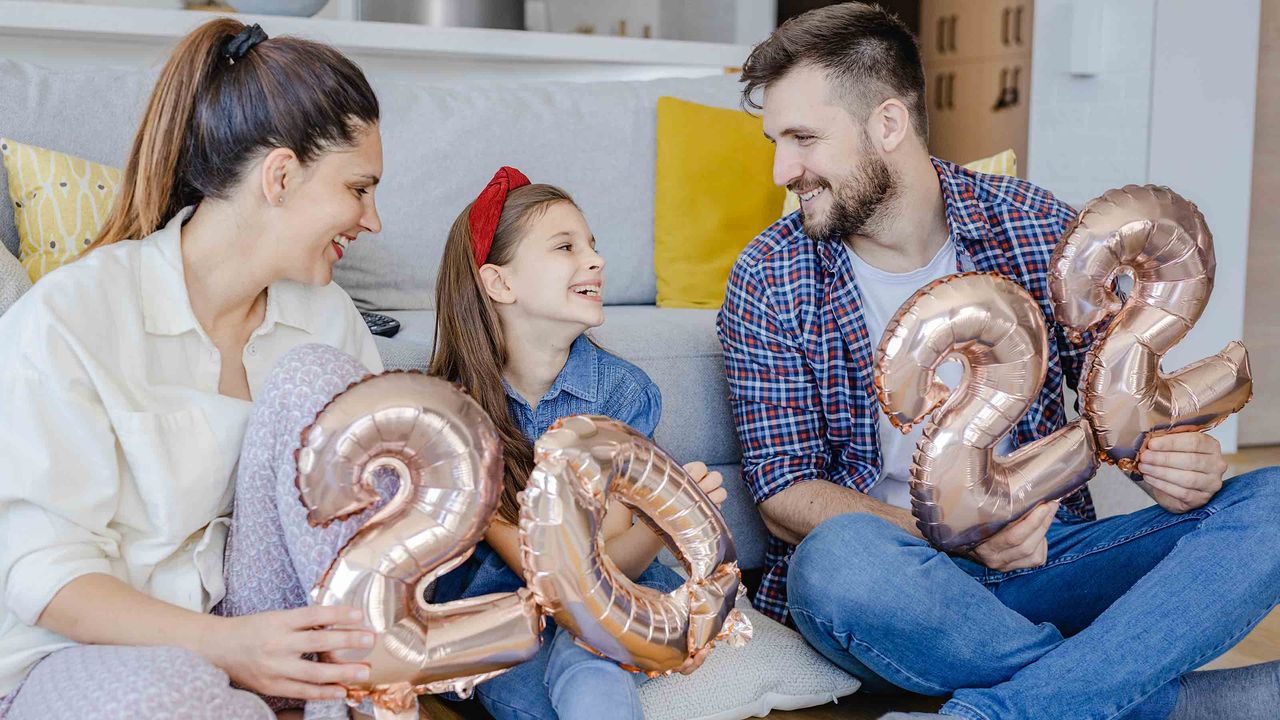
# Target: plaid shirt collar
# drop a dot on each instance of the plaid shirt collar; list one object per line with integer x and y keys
{"x": 967, "y": 224}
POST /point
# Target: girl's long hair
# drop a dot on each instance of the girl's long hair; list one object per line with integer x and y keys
{"x": 209, "y": 118}
{"x": 469, "y": 345}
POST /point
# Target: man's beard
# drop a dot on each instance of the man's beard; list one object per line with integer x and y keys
{"x": 862, "y": 193}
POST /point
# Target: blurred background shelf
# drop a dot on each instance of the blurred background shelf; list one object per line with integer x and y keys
{"x": 74, "y": 34}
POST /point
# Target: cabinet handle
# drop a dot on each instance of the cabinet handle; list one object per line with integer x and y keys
{"x": 1002, "y": 100}
{"x": 1017, "y": 26}
{"x": 1014, "y": 98}
{"x": 1004, "y": 27}
{"x": 952, "y": 35}
{"x": 937, "y": 91}
{"x": 951, "y": 91}
{"x": 942, "y": 35}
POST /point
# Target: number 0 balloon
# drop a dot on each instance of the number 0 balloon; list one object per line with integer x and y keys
{"x": 583, "y": 461}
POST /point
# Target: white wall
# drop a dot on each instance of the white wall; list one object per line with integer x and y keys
{"x": 1171, "y": 102}
{"x": 1090, "y": 133}
{"x": 1203, "y": 99}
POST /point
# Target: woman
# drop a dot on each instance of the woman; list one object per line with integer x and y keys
{"x": 129, "y": 379}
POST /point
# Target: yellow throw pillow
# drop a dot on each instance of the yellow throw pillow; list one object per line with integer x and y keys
{"x": 1002, "y": 163}
{"x": 59, "y": 203}
{"x": 714, "y": 192}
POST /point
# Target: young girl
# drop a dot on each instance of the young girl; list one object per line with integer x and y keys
{"x": 519, "y": 285}
{"x": 128, "y": 381}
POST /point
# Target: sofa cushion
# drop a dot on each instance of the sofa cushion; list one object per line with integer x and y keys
{"x": 777, "y": 670}
{"x": 443, "y": 143}
{"x": 59, "y": 203}
{"x": 13, "y": 280}
{"x": 714, "y": 193}
{"x": 91, "y": 113}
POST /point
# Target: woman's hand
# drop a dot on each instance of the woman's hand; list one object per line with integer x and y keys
{"x": 710, "y": 482}
{"x": 264, "y": 652}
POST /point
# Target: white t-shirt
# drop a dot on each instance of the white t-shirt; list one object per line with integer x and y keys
{"x": 883, "y": 293}
{"x": 118, "y": 451}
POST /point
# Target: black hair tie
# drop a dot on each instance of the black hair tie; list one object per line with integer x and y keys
{"x": 238, "y": 46}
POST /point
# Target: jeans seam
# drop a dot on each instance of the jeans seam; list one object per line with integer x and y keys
{"x": 852, "y": 639}
{"x": 1199, "y": 514}
{"x": 968, "y": 711}
{"x": 512, "y": 708}
{"x": 632, "y": 697}
{"x": 1110, "y": 715}
{"x": 1204, "y": 658}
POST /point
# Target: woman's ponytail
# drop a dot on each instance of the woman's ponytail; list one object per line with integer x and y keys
{"x": 211, "y": 115}
{"x": 151, "y": 190}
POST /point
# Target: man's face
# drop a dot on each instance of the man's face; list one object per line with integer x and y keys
{"x": 824, "y": 155}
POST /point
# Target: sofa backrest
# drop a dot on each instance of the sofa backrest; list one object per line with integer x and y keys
{"x": 441, "y": 144}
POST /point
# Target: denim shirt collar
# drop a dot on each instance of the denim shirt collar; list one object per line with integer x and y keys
{"x": 580, "y": 376}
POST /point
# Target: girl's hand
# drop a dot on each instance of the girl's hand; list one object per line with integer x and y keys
{"x": 695, "y": 662}
{"x": 264, "y": 652}
{"x": 710, "y": 482}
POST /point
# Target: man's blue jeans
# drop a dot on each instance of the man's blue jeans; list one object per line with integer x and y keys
{"x": 1121, "y": 609}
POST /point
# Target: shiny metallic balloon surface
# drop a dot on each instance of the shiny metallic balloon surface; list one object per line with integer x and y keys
{"x": 1161, "y": 240}
{"x": 582, "y": 462}
{"x": 961, "y": 492}
{"x": 447, "y": 455}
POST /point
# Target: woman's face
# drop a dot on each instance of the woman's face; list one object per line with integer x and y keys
{"x": 556, "y": 276}
{"x": 326, "y": 208}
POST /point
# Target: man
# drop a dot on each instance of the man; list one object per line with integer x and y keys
{"x": 1056, "y": 616}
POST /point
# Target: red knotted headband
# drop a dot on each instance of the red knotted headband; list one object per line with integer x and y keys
{"x": 487, "y": 208}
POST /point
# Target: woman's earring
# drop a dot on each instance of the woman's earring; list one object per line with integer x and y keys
{"x": 280, "y": 200}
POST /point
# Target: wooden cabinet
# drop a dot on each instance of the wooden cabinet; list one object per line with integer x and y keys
{"x": 974, "y": 29}
{"x": 977, "y": 61}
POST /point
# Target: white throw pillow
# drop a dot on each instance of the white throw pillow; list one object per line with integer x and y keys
{"x": 777, "y": 670}
{"x": 13, "y": 279}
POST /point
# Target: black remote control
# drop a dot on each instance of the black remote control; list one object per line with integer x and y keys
{"x": 381, "y": 324}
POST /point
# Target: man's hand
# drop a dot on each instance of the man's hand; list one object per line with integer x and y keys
{"x": 1020, "y": 544}
{"x": 1182, "y": 471}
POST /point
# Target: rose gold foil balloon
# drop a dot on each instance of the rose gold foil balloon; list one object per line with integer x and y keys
{"x": 582, "y": 462}
{"x": 1161, "y": 240}
{"x": 447, "y": 455}
{"x": 961, "y": 493}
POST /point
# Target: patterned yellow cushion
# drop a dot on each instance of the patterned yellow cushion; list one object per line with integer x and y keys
{"x": 59, "y": 202}
{"x": 1002, "y": 163}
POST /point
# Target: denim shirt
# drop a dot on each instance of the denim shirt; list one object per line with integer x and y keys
{"x": 592, "y": 382}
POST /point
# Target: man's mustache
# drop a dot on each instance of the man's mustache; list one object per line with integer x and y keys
{"x": 805, "y": 185}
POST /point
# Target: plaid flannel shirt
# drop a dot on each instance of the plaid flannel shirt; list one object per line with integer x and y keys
{"x": 799, "y": 360}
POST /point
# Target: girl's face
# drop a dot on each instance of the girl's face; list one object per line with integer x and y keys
{"x": 556, "y": 276}
{"x": 324, "y": 209}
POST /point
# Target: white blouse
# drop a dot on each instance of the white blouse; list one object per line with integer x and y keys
{"x": 117, "y": 453}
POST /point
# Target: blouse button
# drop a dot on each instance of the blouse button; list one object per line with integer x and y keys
{"x": 253, "y": 349}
